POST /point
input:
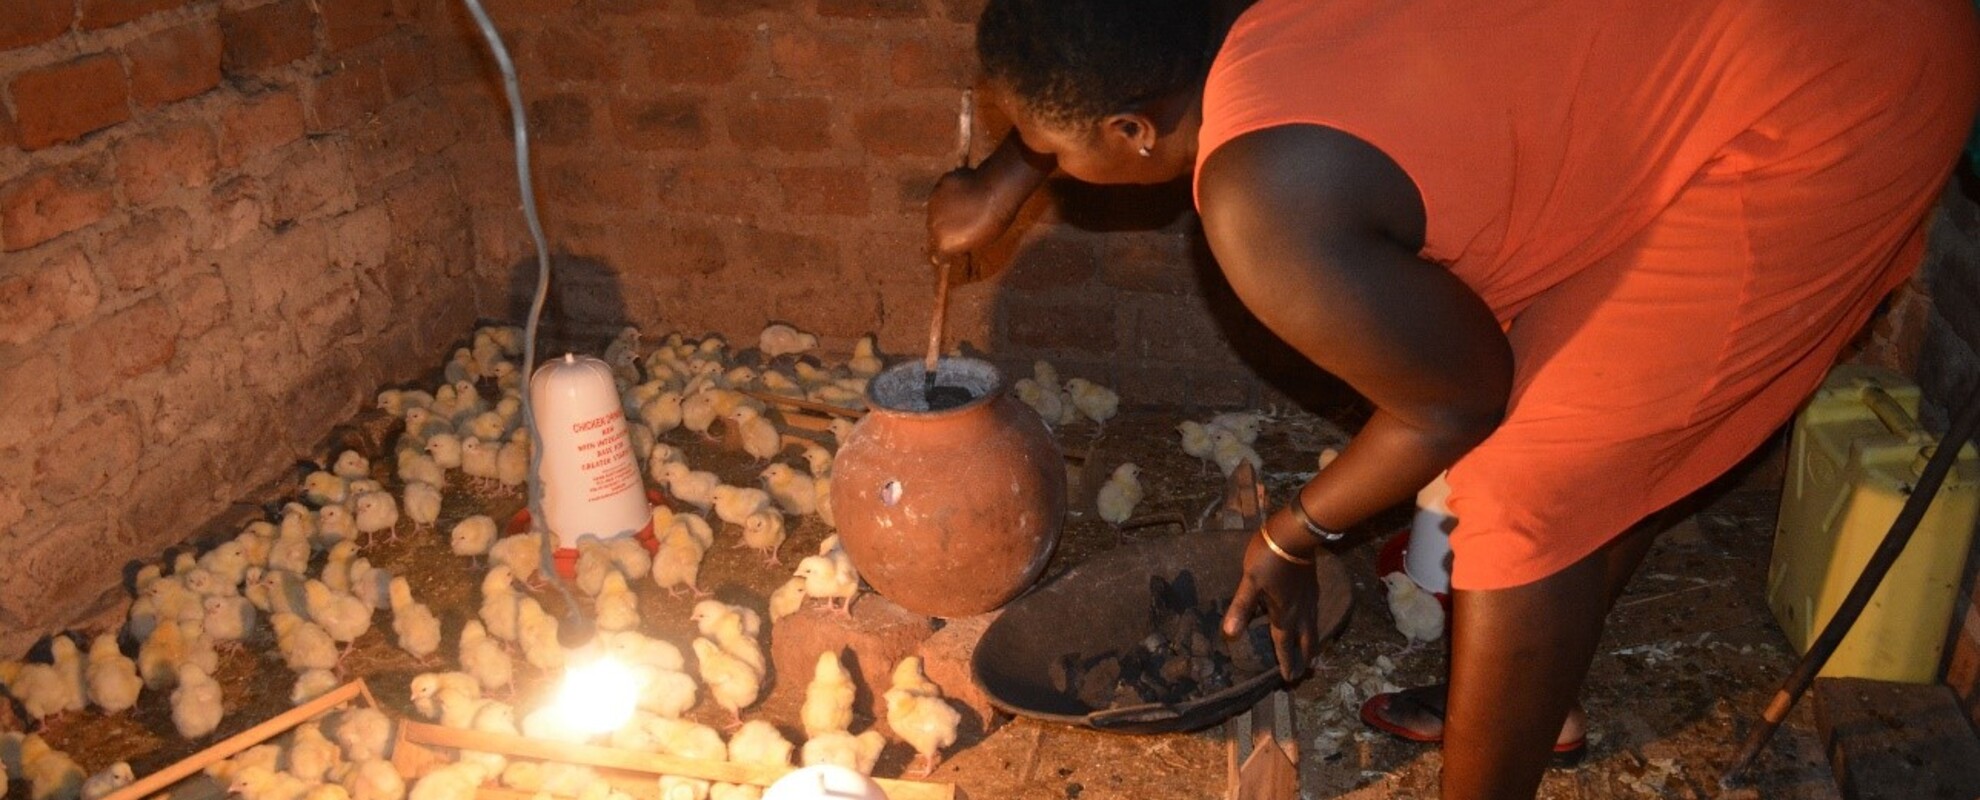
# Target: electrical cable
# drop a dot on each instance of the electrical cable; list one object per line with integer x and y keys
{"x": 514, "y": 91}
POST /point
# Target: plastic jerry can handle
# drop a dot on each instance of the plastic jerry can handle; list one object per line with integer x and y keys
{"x": 1894, "y": 417}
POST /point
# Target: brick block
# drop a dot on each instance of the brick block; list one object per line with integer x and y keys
{"x": 580, "y": 53}
{"x": 878, "y": 635}
{"x": 202, "y": 302}
{"x": 33, "y": 395}
{"x": 790, "y": 124}
{"x": 561, "y": 120}
{"x": 927, "y": 64}
{"x": 408, "y": 65}
{"x": 266, "y": 36}
{"x": 147, "y": 250}
{"x": 94, "y": 454}
{"x": 1085, "y": 326}
{"x": 696, "y": 55}
{"x": 122, "y": 344}
{"x": 923, "y": 129}
{"x": 945, "y": 659}
{"x": 585, "y": 183}
{"x": 343, "y": 98}
{"x": 967, "y": 11}
{"x": 527, "y": 10}
{"x": 168, "y": 498}
{"x": 873, "y": 9}
{"x": 1177, "y": 330}
{"x": 313, "y": 179}
{"x": 830, "y": 191}
{"x": 52, "y": 202}
{"x": 1149, "y": 261}
{"x": 179, "y": 156}
{"x": 37, "y": 295}
{"x": 834, "y": 310}
{"x": 711, "y": 189}
{"x": 736, "y": 8}
{"x": 628, "y": 7}
{"x": 1058, "y": 257}
{"x": 669, "y": 122}
{"x": 349, "y": 23}
{"x": 817, "y": 58}
{"x": 29, "y": 22}
{"x": 105, "y": 13}
{"x": 54, "y": 584}
{"x": 175, "y": 63}
{"x": 257, "y": 126}
{"x": 60, "y": 103}
{"x": 383, "y": 150}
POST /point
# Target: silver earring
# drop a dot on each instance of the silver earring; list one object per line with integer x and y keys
{"x": 1145, "y": 152}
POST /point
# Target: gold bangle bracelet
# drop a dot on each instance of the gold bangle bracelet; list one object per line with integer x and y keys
{"x": 1279, "y": 551}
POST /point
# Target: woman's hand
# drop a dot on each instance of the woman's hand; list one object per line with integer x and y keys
{"x": 1290, "y": 593}
{"x": 970, "y": 207}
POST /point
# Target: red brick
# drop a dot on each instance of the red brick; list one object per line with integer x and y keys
{"x": 525, "y": 11}
{"x": 10, "y": 135}
{"x": 811, "y": 57}
{"x": 696, "y": 55}
{"x": 791, "y": 124}
{"x": 1058, "y": 259}
{"x": 38, "y": 295}
{"x": 147, "y": 249}
{"x": 590, "y": 182}
{"x": 266, "y": 36}
{"x": 710, "y": 189}
{"x": 871, "y": 9}
{"x": 835, "y": 191}
{"x": 925, "y": 64}
{"x": 34, "y": 21}
{"x": 380, "y": 151}
{"x": 408, "y": 64}
{"x": 844, "y": 312}
{"x": 150, "y": 166}
{"x": 1179, "y": 329}
{"x": 735, "y": 8}
{"x": 625, "y": 6}
{"x": 47, "y": 204}
{"x": 916, "y": 130}
{"x": 313, "y": 180}
{"x": 561, "y": 120}
{"x": 97, "y": 452}
{"x": 1085, "y": 326}
{"x": 56, "y": 104}
{"x": 202, "y": 303}
{"x": 175, "y": 63}
{"x": 197, "y": 392}
{"x": 669, "y": 122}
{"x": 28, "y": 406}
{"x": 259, "y": 125}
{"x": 946, "y": 660}
{"x": 343, "y": 98}
{"x": 105, "y": 13}
{"x": 963, "y": 10}
{"x": 580, "y": 53}
{"x": 1148, "y": 261}
{"x": 122, "y": 344}
{"x": 349, "y": 23}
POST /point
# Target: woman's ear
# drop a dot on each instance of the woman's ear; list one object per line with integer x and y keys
{"x": 1131, "y": 132}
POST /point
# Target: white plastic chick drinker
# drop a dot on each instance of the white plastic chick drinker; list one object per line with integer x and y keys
{"x": 591, "y": 480}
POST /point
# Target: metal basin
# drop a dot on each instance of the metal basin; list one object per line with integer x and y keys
{"x": 1102, "y": 605}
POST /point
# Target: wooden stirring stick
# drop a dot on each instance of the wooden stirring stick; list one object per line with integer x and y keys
{"x": 966, "y": 123}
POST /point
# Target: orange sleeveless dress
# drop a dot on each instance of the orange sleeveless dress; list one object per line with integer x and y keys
{"x": 1680, "y": 210}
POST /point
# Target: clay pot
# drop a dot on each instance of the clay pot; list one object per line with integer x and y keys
{"x": 948, "y": 513}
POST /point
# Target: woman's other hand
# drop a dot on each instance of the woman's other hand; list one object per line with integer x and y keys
{"x": 1289, "y": 592}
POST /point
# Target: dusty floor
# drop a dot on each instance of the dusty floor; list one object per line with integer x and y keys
{"x": 1688, "y": 658}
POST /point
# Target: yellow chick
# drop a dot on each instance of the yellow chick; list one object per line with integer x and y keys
{"x": 793, "y": 491}
{"x": 311, "y": 756}
{"x": 779, "y": 339}
{"x": 764, "y": 531}
{"x": 616, "y": 608}
{"x": 50, "y": 773}
{"x": 304, "y": 645}
{"x": 196, "y": 704}
{"x": 1095, "y": 402}
{"x": 342, "y": 616}
{"x": 413, "y": 623}
{"x": 760, "y": 743}
{"x": 841, "y": 749}
{"x": 759, "y": 435}
{"x": 472, "y": 536}
{"x": 918, "y": 714}
{"x": 733, "y": 504}
{"x": 373, "y": 779}
{"x": 422, "y": 505}
{"x": 668, "y": 693}
{"x": 113, "y": 681}
{"x": 500, "y": 605}
{"x": 364, "y": 733}
{"x": 1229, "y": 452}
{"x": 484, "y": 658}
{"x": 731, "y": 681}
{"x": 376, "y": 512}
{"x": 1417, "y": 613}
{"x": 159, "y": 657}
{"x": 830, "y": 579}
{"x": 311, "y": 684}
{"x": 828, "y": 700}
{"x": 866, "y": 361}
{"x": 693, "y": 487}
{"x": 38, "y": 687}
{"x": 787, "y": 599}
{"x": 1120, "y": 494}
{"x": 536, "y": 631}
{"x": 1196, "y": 440}
{"x": 114, "y": 777}
{"x": 521, "y": 554}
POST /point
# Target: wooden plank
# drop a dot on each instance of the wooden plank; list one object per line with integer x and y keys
{"x": 226, "y": 748}
{"x": 648, "y": 763}
{"x": 1896, "y": 740}
{"x": 806, "y": 405}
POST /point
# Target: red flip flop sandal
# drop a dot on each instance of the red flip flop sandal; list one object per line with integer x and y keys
{"x": 1374, "y": 714}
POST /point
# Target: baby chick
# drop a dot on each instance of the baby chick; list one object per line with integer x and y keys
{"x": 50, "y": 773}
{"x": 323, "y": 488}
{"x": 662, "y": 413}
{"x": 158, "y": 658}
{"x": 759, "y": 435}
{"x": 634, "y": 647}
{"x": 373, "y": 779}
{"x": 724, "y": 625}
{"x": 693, "y": 487}
{"x": 1243, "y": 424}
{"x": 794, "y": 492}
{"x": 841, "y": 749}
{"x": 759, "y": 743}
{"x": 376, "y": 511}
{"x": 668, "y": 693}
{"x": 919, "y": 715}
{"x": 521, "y": 554}
{"x": 1041, "y": 399}
{"x": 617, "y": 608}
{"x": 1120, "y": 494}
{"x": 1195, "y": 440}
{"x": 335, "y": 525}
{"x": 114, "y": 777}
{"x": 593, "y": 562}
{"x": 1417, "y": 613}
{"x": 444, "y": 449}
{"x": 68, "y": 663}
{"x": 228, "y": 619}
{"x": 500, "y": 605}
{"x": 512, "y": 464}
{"x": 39, "y": 688}
{"x": 351, "y": 465}
{"x": 866, "y": 361}
{"x": 787, "y": 599}
{"x": 733, "y": 504}
{"x": 196, "y": 706}
{"x": 731, "y": 681}
{"x": 342, "y": 616}
{"x": 479, "y": 462}
{"x": 421, "y": 467}
{"x": 369, "y": 584}
{"x": 415, "y": 625}
{"x": 484, "y": 658}
{"x": 291, "y": 549}
{"x": 536, "y": 630}
{"x": 828, "y": 700}
{"x": 311, "y": 684}
{"x": 841, "y": 429}
{"x": 629, "y": 557}
{"x": 228, "y": 561}
{"x": 823, "y": 485}
{"x": 427, "y": 687}
{"x": 452, "y": 782}
{"x": 779, "y": 339}
{"x": 818, "y": 459}
{"x": 311, "y": 755}
{"x": 304, "y": 645}
{"x": 1095, "y": 402}
{"x": 764, "y": 531}
{"x": 1229, "y": 452}
{"x": 472, "y": 536}
{"x": 364, "y": 733}
{"x": 422, "y": 504}
{"x": 830, "y": 579}
{"x": 112, "y": 680}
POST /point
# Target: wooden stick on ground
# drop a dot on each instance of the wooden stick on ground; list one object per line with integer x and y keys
{"x": 226, "y": 748}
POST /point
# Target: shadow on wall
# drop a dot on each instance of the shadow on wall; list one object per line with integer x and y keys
{"x": 585, "y": 308}
{"x": 1281, "y": 367}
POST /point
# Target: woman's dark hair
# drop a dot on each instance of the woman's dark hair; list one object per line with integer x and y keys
{"x": 1072, "y": 62}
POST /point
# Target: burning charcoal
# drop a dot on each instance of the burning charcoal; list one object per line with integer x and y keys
{"x": 1175, "y": 669}
{"x": 1096, "y": 687}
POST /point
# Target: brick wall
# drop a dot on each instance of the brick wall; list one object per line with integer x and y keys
{"x": 712, "y": 165}
{"x": 222, "y": 225}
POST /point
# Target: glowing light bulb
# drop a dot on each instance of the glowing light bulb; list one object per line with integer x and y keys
{"x": 597, "y": 696}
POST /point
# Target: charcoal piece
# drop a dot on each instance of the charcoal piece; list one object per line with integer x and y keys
{"x": 1127, "y": 695}
{"x": 1155, "y": 642}
{"x": 1252, "y": 652}
{"x": 1199, "y": 645}
{"x": 1063, "y": 672}
{"x": 1215, "y": 683}
{"x": 1134, "y": 663}
{"x": 1152, "y": 686}
{"x": 943, "y": 398}
{"x": 1201, "y": 668}
{"x": 1096, "y": 687}
{"x": 1175, "y": 669}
